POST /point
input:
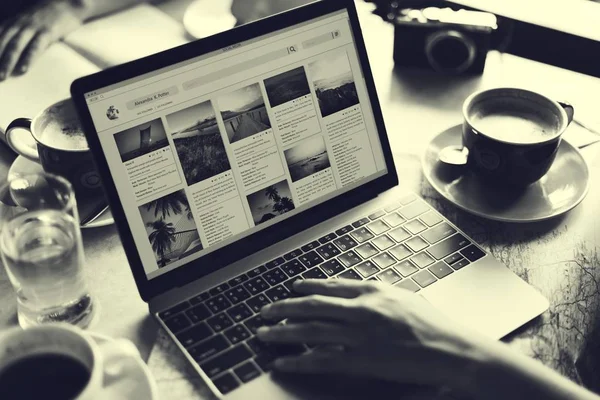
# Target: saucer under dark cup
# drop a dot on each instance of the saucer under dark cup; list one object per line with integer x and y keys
{"x": 562, "y": 188}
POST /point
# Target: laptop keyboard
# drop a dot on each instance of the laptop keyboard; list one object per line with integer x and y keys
{"x": 405, "y": 244}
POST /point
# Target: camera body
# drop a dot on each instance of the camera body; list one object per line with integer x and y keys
{"x": 443, "y": 40}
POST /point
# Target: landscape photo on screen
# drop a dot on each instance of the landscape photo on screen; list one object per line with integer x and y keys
{"x": 307, "y": 157}
{"x": 270, "y": 202}
{"x": 141, "y": 140}
{"x": 334, "y": 83}
{"x": 287, "y": 86}
{"x": 244, "y": 113}
{"x": 198, "y": 142}
{"x": 171, "y": 228}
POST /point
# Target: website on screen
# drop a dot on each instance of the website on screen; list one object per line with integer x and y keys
{"x": 206, "y": 152}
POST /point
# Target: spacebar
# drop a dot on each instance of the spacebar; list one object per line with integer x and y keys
{"x": 448, "y": 246}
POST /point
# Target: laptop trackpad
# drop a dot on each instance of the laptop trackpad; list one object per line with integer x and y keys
{"x": 487, "y": 297}
{"x": 283, "y": 386}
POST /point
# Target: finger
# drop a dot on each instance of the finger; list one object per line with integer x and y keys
{"x": 313, "y": 332}
{"x": 39, "y": 43}
{"x": 14, "y": 49}
{"x": 315, "y": 361}
{"x": 313, "y": 307}
{"x": 345, "y": 288}
{"x": 7, "y": 30}
{"x": 7, "y": 34}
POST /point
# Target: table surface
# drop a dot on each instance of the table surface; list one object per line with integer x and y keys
{"x": 558, "y": 257}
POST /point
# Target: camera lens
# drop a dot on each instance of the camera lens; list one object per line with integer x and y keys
{"x": 449, "y": 51}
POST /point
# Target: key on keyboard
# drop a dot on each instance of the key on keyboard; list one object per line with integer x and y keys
{"x": 389, "y": 276}
{"x": 293, "y": 268}
{"x": 332, "y": 267}
{"x": 226, "y": 360}
{"x": 258, "y": 302}
{"x": 208, "y": 348}
{"x": 219, "y": 322}
{"x": 226, "y": 383}
{"x": 237, "y": 334}
{"x": 274, "y": 263}
{"x": 174, "y": 310}
{"x": 247, "y": 371}
{"x": 367, "y": 268}
{"x": 314, "y": 273}
{"x": 198, "y": 313}
{"x": 414, "y": 210}
{"x": 194, "y": 335}
{"x": 438, "y": 233}
{"x": 350, "y": 274}
{"x": 239, "y": 313}
{"x": 448, "y": 246}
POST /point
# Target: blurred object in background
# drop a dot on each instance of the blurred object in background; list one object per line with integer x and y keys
{"x": 204, "y": 18}
{"x": 249, "y": 10}
{"x": 441, "y": 39}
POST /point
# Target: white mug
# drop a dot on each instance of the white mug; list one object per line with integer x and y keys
{"x": 106, "y": 362}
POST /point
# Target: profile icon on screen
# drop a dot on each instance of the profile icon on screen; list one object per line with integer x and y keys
{"x": 112, "y": 113}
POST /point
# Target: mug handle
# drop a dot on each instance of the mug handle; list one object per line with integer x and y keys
{"x": 120, "y": 358}
{"x": 568, "y": 109}
{"x": 18, "y": 145}
{"x": 118, "y": 355}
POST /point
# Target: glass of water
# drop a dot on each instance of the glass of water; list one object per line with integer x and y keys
{"x": 42, "y": 251}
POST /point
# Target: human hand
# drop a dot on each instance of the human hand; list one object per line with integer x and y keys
{"x": 24, "y": 37}
{"x": 373, "y": 330}
{"x": 249, "y": 10}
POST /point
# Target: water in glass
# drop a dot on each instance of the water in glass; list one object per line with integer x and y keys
{"x": 43, "y": 255}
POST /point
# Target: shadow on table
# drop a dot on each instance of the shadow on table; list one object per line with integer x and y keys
{"x": 433, "y": 89}
{"x": 147, "y": 331}
{"x": 498, "y": 232}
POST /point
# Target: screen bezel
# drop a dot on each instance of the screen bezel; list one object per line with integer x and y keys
{"x": 272, "y": 234}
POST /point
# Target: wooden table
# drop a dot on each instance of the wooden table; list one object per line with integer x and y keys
{"x": 559, "y": 257}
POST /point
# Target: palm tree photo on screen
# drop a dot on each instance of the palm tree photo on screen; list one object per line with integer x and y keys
{"x": 171, "y": 228}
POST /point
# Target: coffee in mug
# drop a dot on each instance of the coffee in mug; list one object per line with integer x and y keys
{"x": 61, "y": 375}
{"x": 61, "y": 148}
{"x": 60, "y": 362}
{"x": 512, "y": 135}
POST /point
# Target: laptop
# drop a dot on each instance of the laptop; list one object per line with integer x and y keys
{"x": 236, "y": 164}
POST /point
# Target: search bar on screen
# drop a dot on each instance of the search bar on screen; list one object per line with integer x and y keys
{"x": 317, "y": 40}
{"x": 243, "y": 66}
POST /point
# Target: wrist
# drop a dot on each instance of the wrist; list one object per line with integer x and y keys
{"x": 475, "y": 358}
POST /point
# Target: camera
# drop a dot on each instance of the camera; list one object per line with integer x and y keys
{"x": 442, "y": 39}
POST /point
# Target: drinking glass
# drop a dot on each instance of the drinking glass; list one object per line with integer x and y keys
{"x": 42, "y": 251}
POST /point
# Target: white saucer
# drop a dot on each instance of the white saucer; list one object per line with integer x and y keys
{"x": 561, "y": 189}
{"x": 143, "y": 387}
{"x": 22, "y": 166}
{"x": 204, "y": 18}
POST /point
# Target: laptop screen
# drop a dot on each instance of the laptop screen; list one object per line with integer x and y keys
{"x": 210, "y": 150}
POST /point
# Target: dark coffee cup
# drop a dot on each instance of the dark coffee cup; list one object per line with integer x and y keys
{"x": 60, "y": 146}
{"x": 512, "y": 135}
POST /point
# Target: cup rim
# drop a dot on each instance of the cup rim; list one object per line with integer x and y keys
{"x": 96, "y": 361}
{"x": 39, "y": 115}
{"x": 563, "y": 114}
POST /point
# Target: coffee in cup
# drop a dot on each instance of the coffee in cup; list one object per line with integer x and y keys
{"x": 61, "y": 148}
{"x": 65, "y": 379}
{"x": 512, "y": 135}
{"x": 61, "y": 362}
